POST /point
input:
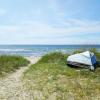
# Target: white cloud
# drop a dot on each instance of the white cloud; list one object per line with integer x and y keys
{"x": 35, "y": 28}
{"x": 37, "y": 32}
{"x": 2, "y": 12}
{"x": 72, "y": 28}
{"x": 4, "y": 29}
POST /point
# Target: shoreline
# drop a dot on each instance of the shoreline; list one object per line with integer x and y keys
{"x": 33, "y": 59}
{"x": 40, "y": 50}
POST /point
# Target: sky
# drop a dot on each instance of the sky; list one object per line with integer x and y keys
{"x": 49, "y": 21}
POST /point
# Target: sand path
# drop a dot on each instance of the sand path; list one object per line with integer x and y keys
{"x": 11, "y": 87}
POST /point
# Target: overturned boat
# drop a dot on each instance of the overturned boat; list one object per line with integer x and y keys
{"x": 85, "y": 59}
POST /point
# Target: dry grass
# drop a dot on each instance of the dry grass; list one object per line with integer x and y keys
{"x": 52, "y": 79}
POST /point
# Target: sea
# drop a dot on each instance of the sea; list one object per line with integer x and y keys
{"x": 40, "y": 50}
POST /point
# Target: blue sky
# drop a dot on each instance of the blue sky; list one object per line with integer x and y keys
{"x": 49, "y": 21}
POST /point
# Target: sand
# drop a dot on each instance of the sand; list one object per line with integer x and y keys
{"x": 11, "y": 87}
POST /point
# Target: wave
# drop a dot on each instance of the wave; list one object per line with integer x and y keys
{"x": 14, "y": 50}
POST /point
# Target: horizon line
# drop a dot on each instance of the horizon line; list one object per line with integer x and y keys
{"x": 49, "y": 44}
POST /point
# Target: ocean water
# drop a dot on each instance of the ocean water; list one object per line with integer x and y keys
{"x": 39, "y": 50}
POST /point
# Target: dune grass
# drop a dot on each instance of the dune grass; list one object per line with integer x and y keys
{"x": 51, "y": 79}
{"x": 11, "y": 63}
{"x": 94, "y": 50}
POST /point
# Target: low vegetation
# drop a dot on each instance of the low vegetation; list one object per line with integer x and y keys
{"x": 51, "y": 79}
{"x": 94, "y": 50}
{"x": 11, "y": 63}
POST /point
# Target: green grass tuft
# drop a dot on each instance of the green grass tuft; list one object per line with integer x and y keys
{"x": 55, "y": 57}
{"x": 11, "y": 63}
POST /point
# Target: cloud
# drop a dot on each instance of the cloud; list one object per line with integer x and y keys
{"x": 41, "y": 33}
{"x": 4, "y": 29}
{"x": 2, "y": 12}
{"x": 71, "y": 27}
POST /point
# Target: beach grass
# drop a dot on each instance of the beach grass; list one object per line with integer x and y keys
{"x": 51, "y": 79}
{"x": 11, "y": 63}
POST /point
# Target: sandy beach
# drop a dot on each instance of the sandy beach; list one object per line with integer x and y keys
{"x": 11, "y": 87}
